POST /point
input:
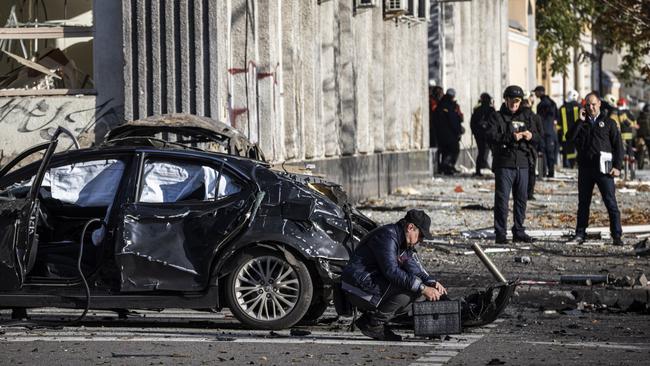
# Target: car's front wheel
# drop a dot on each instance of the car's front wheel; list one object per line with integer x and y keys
{"x": 265, "y": 291}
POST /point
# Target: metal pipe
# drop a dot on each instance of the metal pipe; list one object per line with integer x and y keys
{"x": 587, "y": 279}
{"x": 488, "y": 263}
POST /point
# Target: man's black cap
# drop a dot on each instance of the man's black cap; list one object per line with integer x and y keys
{"x": 421, "y": 220}
{"x": 513, "y": 91}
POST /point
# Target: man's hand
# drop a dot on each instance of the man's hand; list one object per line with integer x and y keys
{"x": 438, "y": 286}
{"x": 583, "y": 114}
{"x": 431, "y": 293}
{"x": 527, "y": 135}
{"x": 615, "y": 172}
{"x": 518, "y": 136}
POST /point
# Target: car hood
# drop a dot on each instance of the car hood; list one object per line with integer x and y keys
{"x": 186, "y": 129}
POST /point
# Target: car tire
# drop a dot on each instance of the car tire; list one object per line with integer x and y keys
{"x": 265, "y": 291}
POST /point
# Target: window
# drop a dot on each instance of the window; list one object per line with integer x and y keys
{"x": 85, "y": 184}
{"x": 46, "y": 47}
{"x": 169, "y": 182}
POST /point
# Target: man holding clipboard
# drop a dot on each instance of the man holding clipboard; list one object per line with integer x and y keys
{"x": 600, "y": 155}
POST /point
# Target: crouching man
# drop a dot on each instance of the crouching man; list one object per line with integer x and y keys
{"x": 384, "y": 275}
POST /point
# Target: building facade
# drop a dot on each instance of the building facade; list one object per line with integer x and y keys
{"x": 339, "y": 84}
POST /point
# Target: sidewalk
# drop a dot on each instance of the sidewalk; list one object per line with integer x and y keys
{"x": 461, "y": 211}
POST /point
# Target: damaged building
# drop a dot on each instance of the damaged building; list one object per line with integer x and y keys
{"x": 338, "y": 84}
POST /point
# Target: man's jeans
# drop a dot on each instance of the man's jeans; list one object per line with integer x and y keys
{"x": 395, "y": 301}
{"x": 507, "y": 180}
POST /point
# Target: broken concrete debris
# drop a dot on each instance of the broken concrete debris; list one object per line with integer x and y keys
{"x": 642, "y": 248}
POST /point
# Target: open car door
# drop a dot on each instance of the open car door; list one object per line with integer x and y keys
{"x": 19, "y": 214}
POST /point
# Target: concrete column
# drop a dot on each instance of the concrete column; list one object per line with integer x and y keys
{"x": 307, "y": 29}
{"x": 328, "y": 56}
{"x": 108, "y": 57}
{"x": 346, "y": 80}
{"x": 290, "y": 81}
{"x": 376, "y": 82}
{"x": 362, "y": 51}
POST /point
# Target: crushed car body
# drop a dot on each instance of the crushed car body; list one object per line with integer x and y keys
{"x": 173, "y": 211}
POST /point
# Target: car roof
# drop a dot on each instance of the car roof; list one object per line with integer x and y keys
{"x": 191, "y": 127}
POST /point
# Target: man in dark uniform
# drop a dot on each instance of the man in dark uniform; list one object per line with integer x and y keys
{"x": 538, "y": 145}
{"x": 450, "y": 129}
{"x": 478, "y": 124}
{"x": 385, "y": 275}
{"x": 547, "y": 111}
{"x": 600, "y": 155}
{"x": 511, "y": 132}
{"x": 569, "y": 115}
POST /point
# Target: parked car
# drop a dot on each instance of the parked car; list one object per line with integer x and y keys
{"x": 155, "y": 218}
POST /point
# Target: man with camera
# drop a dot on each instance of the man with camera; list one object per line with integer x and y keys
{"x": 511, "y": 133}
{"x": 600, "y": 156}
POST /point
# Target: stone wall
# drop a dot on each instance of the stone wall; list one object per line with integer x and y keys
{"x": 306, "y": 80}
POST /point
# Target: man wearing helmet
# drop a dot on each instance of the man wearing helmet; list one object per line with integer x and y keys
{"x": 511, "y": 132}
{"x": 600, "y": 156}
{"x": 569, "y": 115}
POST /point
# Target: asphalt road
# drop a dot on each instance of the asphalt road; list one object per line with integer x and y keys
{"x": 521, "y": 337}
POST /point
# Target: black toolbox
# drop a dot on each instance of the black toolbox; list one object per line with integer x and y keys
{"x": 433, "y": 318}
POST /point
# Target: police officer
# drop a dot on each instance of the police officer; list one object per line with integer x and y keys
{"x": 595, "y": 137}
{"x": 569, "y": 115}
{"x": 511, "y": 132}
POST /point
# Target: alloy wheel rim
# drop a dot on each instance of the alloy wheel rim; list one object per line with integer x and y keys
{"x": 267, "y": 288}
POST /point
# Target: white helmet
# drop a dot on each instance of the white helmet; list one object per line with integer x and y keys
{"x": 609, "y": 98}
{"x": 572, "y": 95}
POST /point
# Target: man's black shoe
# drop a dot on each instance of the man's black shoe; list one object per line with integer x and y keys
{"x": 617, "y": 241}
{"x": 578, "y": 239}
{"x": 532, "y": 198}
{"x": 501, "y": 240}
{"x": 389, "y": 335}
{"x": 372, "y": 331}
{"x": 523, "y": 238}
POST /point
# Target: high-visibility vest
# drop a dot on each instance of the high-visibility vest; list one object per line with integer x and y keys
{"x": 565, "y": 121}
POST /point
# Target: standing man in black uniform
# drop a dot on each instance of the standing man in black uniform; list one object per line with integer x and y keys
{"x": 511, "y": 132}
{"x": 478, "y": 124}
{"x": 547, "y": 111}
{"x": 596, "y": 136}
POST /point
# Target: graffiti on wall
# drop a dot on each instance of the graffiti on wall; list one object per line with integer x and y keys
{"x": 27, "y": 121}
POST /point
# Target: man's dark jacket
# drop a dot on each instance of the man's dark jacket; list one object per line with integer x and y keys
{"x": 448, "y": 121}
{"x": 592, "y": 138}
{"x": 507, "y": 152}
{"x": 478, "y": 122}
{"x": 382, "y": 259}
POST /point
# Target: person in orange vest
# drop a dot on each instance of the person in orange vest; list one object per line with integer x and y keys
{"x": 569, "y": 115}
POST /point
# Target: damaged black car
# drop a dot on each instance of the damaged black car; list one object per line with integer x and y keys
{"x": 172, "y": 211}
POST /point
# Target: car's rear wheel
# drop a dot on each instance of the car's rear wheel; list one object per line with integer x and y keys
{"x": 265, "y": 291}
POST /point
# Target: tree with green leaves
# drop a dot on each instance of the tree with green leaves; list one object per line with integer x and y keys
{"x": 616, "y": 25}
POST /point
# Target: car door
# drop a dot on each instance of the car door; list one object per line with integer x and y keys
{"x": 183, "y": 208}
{"x": 19, "y": 207}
